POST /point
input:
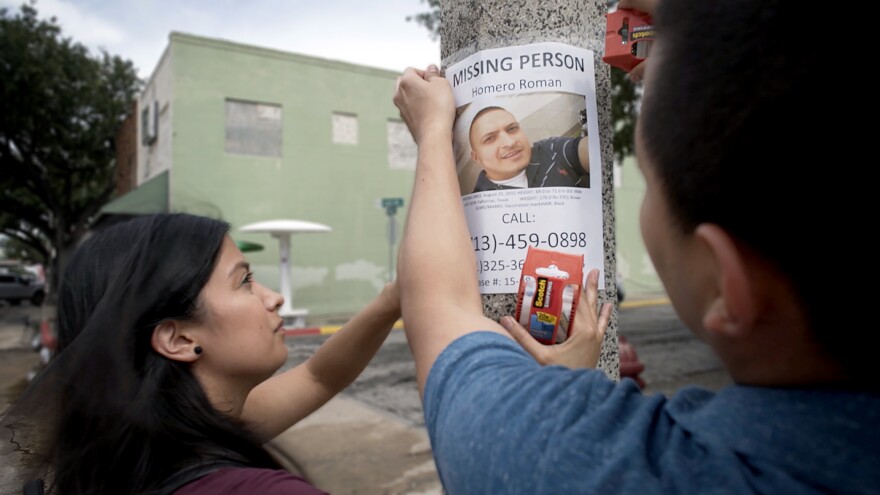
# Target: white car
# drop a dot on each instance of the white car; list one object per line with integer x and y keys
{"x": 15, "y": 287}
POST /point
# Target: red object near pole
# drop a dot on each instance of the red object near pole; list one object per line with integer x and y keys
{"x": 630, "y": 366}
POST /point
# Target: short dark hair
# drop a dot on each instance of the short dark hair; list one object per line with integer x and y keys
{"x": 738, "y": 133}
{"x": 480, "y": 114}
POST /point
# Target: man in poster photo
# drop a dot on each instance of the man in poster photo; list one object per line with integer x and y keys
{"x": 509, "y": 161}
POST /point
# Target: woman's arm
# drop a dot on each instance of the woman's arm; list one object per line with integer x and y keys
{"x": 283, "y": 400}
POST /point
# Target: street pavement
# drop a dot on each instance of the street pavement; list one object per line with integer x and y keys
{"x": 17, "y": 359}
{"x": 371, "y": 438}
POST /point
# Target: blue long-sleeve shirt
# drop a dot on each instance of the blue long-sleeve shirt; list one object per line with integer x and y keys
{"x": 501, "y": 423}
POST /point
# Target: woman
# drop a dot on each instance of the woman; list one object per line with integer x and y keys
{"x": 167, "y": 348}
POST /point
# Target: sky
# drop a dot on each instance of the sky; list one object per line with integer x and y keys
{"x": 366, "y": 32}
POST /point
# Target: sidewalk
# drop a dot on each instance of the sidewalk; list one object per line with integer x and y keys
{"x": 16, "y": 360}
{"x": 348, "y": 447}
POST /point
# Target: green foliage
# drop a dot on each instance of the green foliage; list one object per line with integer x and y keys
{"x": 14, "y": 249}
{"x": 430, "y": 19}
{"x": 60, "y": 109}
{"x": 624, "y": 109}
{"x": 624, "y": 97}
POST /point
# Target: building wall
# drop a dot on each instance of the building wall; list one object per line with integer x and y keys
{"x": 314, "y": 179}
{"x": 157, "y": 96}
{"x": 126, "y": 153}
{"x": 633, "y": 262}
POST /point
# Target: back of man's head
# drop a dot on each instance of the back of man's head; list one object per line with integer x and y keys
{"x": 739, "y": 118}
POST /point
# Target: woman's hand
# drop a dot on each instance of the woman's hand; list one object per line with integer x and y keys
{"x": 649, "y": 7}
{"x": 390, "y": 296}
{"x": 582, "y": 348}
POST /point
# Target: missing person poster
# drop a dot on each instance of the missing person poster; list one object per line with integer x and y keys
{"x": 527, "y": 154}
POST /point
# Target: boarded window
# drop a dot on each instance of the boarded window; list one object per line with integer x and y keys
{"x": 345, "y": 128}
{"x": 253, "y": 128}
{"x": 402, "y": 151}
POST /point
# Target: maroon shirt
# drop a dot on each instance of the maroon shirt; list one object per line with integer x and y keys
{"x": 245, "y": 481}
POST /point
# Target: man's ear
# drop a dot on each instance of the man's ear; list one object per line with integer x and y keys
{"x": 171, "y": 341}
{"x": 735, "y": 308}
{"x": 474, "y": 157}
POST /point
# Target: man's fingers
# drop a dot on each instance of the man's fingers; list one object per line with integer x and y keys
{"x": 592, "y": 289}
{"x": 648, "y": 6}
{"x": 604, "y": 317}
{"x": 432, "y": 72}
{"x": 583, "y": 310}
{"x": 638, "y": 73}
{"x": 521, "y": 335}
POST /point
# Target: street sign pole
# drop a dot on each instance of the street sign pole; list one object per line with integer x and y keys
{"x": 391, "y": 205}
{"x": 392, "y": 237}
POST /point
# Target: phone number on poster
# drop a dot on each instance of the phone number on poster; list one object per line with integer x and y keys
{"x": 485, "y": 266}
{"x": 493, "y": 243}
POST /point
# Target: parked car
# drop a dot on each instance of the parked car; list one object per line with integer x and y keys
{"x": 16, "y": 287}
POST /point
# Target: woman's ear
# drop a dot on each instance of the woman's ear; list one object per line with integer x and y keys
{"x": 171, "y": 341}
{"x": 735, "y": 308}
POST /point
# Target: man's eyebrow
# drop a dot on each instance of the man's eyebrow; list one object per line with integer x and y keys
{"x": 490, "y": 133}
{"x": 240, "y": 264}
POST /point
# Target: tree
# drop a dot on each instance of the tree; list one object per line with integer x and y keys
{"x": 60, "y": 110}
{"x": 15, "y": 250}
{"x": 624, "y": 97}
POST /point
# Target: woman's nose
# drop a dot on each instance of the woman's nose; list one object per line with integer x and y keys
{"x": 272, "y": 299}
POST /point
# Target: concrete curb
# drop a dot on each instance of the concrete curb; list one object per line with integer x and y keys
{"x": 643, "y": 303}
{"x": 326, "y": 330}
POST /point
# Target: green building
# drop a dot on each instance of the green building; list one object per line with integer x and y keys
{"x": 639, "y": 278}
{"x": 249, "y": 134}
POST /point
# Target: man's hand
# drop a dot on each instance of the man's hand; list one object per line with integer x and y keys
{"x": 425, "y": 102}
{"x": 582, "y": 348}
{"x": 648, "y": 6}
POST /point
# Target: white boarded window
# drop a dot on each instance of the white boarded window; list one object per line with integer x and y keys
{"x": 253, "y": 128}
{"x": 345, "y": 128}
{"x": 402, "y": 150}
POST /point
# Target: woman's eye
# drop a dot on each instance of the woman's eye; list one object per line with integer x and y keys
{"x": 248, "y": 278}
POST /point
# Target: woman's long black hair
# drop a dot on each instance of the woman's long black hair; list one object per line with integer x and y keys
{"x": 124, "y": 419}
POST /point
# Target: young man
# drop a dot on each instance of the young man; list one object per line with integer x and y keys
{"x": 510, "y": 161}
{"x": 730, "y": 142}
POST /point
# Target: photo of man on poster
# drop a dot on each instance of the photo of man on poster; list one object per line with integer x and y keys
{"x": 523, "y": 141}
{"x": 509, "y": 160}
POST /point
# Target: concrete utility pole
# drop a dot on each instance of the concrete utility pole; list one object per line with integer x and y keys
{"x": 470, "y": 26}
